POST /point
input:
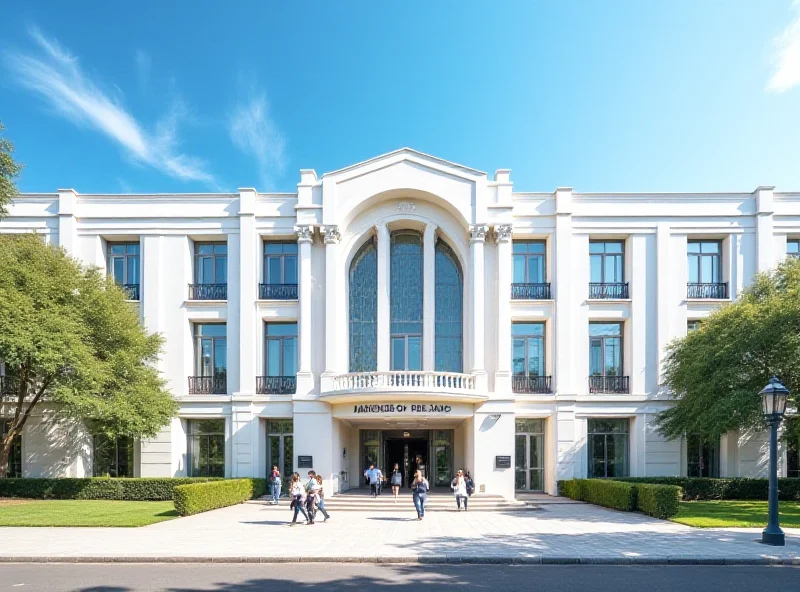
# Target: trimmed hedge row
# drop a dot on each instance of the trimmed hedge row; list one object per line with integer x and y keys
{"x": 704, "y": 488}
{"x": 201, "y": 497}
{"x": 660, "y": 501}
{"x": 97, "y": 488}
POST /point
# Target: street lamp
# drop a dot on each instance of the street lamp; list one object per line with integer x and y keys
{"x": 773, "y": 405}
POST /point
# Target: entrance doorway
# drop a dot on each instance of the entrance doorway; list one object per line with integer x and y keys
{"x": 410, "y": 454}
{"x": 280, "y": 451}
{"x": 427, "y": 451}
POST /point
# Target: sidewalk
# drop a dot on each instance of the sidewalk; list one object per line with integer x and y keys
{"x": 551, "y": 533}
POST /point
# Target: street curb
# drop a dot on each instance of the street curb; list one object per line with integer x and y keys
{"x": 423, "y": 560}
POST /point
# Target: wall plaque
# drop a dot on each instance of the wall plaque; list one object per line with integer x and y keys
{"x": 305, "y": 462}
{"x": 502, "y": 462}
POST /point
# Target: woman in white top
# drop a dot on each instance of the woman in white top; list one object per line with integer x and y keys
{"x": 298, "y": 494}
{"x": 459, "y": 486}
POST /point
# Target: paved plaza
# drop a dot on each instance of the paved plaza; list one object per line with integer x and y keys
{"x": 549, "y": 533}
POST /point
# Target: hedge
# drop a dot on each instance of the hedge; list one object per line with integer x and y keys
{"x": 97, "y": 488}
{"x": 660, "y": 501}
{"x": 201, "y": 497}
{"x": 706, "y": 488}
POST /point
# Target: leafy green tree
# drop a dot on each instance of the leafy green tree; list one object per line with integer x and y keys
{"x": 9, "y": 170}
{"x": 69, "y": 340}
{"x": 716, "y": 372}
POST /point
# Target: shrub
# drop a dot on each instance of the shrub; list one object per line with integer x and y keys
{"x": 569, "y": 489}
{"x": 201, "y": 497}
{"x": 606, "y": 493}
{"x": 705, "y": 488}
{"x": 96, "y": 488}
{"x": 659, "y": 501}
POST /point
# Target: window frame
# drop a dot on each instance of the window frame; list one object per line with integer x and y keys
{"x": 796, "y": 243}
{"x": 281, "y": 339}
{"x": 282, "y": 257}
{"x": 115, "y": 442}
{"x": 526, "y": 256}
{"x": 126, "y": 258}
{"x": 603, "y": 339}
{"x": 215, "y": 258}
{"x": 15, "y": 465}
{"x": 198, "y": 350}
{"x": 204, "y": 436}
{"x": 604, "y": 257}
{"x": 715, "y": 257}
{"x": 406, "y": 338}
{"x": 606, "y": 434}
{"x": 526, "y": 358}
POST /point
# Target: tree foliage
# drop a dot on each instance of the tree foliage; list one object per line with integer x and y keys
{"x": 716, "y": 372}
{"x": 68, "y": 338}
{"x": 9, "y": 170}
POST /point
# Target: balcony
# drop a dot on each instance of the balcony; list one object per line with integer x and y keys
{"x": 603, "y": 291}
{"x": 446, "y": 386}
{"x": 276, "y": 385}
{"x": 619, "y": 385}
{"x": 131, "y": 291}
{"x": 277, "y": 291}
{"x": 208, "y": 385}
{"x": 707, "y": 291}
{"x": 530, "y": 291}
{"x": 8, "y": 386}
{"x": 208, "y": 291}
{"x": 531, "y": 384}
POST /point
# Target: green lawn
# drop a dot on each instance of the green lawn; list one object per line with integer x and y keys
{"x": 83, "y": 513}
{"x": 735, "y": 514}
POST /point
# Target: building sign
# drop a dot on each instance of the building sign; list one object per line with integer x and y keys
{"x": 388, "y": 408}
{"x": 502, "y": 462}
{"x": 305, "y": 462}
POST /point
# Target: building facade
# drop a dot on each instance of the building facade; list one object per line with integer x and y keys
{"x": 414, "y": 311}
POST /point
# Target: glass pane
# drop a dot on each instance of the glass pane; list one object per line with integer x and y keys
{"x": 532, "y": 426}
{"x": 288, "y": 460}
{"x": 282, "y": 329}
{"x": 205, "y": 357}
{"x": 693, "y": 247}
{"x": 442, "y": 459}
{"x": 211, "y": 329}
{"x": 536, "y": 270}
{"x": 605, "y": 329}
{"x": 274, "y": 452}
{"x": 363, "y": 308}
{"x": 519, "y": 269}
{"x": 133, "y": 270}
{"x": 216, "y": 456}
{"x": 693, "y": 267}
{"x": 289, "y": 356}
{"x": 521, "y": 453}
{"x": 597, "y": 456}
{"x": 290, "y": 270}
{"x": 118, "y": 266}
{"x": 535, "y": 357}
{"x": 205, "y": 249}
{"x": 133, "y": 249}
{"x": 595, "y": 248}
{"x": 613, "y": 357}
{"x": 205, "y": 268}
{"x": 273, "y": 248}
{"x": 518, "y": 357}
{"x": 537, "y": 479}
{"x": 596, "y": 357}
{"x": 537, "y": 247}
{"x": 793, "y": 246}
{"x": 537, "y": 452}
{"x": 398, "y": 353}
{"x": 280, "y": 426}
{"x": 221, "y": 270}
{"x": 414, "y": 353}
{"x": 619, "y": 454}
{"x": 615, "y": 247}
{"x": 194, "y": 456}
{"x": 273, "y": 357}
{"x": 274, "y": 270}
{"x": 519, "y": 247}
{"x": 596, "y": 269}
{"x": 405, "y": 297}
{"x": 221, "y": 249}
{"x": 710, "y": 247}
{"x": 527, "y": 329}
{"x": 707, "y": 270}
{"x": 220, "y": 357}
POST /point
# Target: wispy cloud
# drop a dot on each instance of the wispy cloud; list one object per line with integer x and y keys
{"x": 786, "y": 56}
{"x": 55, "y": 75}
{"x": 253, "y": 131}
{"x": 143, "y": 66}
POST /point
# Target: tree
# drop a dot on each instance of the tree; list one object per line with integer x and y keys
{"x": 716, "y": 372}
{"x": 9, "y": 170}
{"x": 69, "y": 339}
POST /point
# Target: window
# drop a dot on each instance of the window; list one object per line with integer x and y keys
{"x": 364, "y": 309}
{"x": 528, "y": 359}
{"x": 529, "y": 465}
{"x": 112, "y": 456}
{"x": 449, "y": 300}
{"x": 705, "y": 269}
{"x": 211, "y": 263}
{"x": 793, "y": 247}
{"x": 210, "y": 358}
{"x": 702, "y": 457}
{"x": 692, "y": 326}
{"x": 608, "y": 448}
{"x": 606, "y": 262}
{"x": 206, "y": 448}
{"x": 529, "y": 262}
{"x": 14, "y": 469}
{"x": 123, "y": 265}
{"x": 605, "y": 359}
{"x": 280, "y": 450}
{"x": 280, "y": 271}
{"x": 280, "y": 359}
{"x": 405, "y": 300}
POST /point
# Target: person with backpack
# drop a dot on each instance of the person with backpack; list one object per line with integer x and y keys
{"x": 275, "y": 480}
{"x": 470, "y": 483}
{"x": 396, "y": 481}
{"x": 321, "y": 498}
{"x": 459, "y": 487}
{"x": 420, "y": 489}
{"x": 298, "y": 494}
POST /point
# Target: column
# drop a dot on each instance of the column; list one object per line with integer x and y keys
{"x": 664, "y": 288}
{"x": 502, "y": 377}
{"x": 429, "y": 298}
{"x": 564, "y": 309}
{"x": 384, "y": 318}
{"x": 331, "y": 237}
{"x": 249, "y": 326}
{"x": 305, "y": 379}
{"x": 477, "y": 238}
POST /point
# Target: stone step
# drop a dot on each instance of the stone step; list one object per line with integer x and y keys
{"x": 355, "y": 503}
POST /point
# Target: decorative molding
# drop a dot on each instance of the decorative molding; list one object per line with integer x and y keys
{"x": 477, "y": 232}
{"x": 502, "y": 232}
{"x": 305, "y": 233}
{"x": 407, "y": 207}
{"x": 331, "y": 235}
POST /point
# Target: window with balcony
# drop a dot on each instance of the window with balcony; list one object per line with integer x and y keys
{"x": 210, "y": 358}
{"x": 449, "y": 299}
{"x": 405, "y": 300}
{"x": 280, "y": 271}
{"x": 793, "y": 247}
{"x": 705, "y": 270}
{"x": 280, "y": 363}
{"x": 364, "y": 309}
{"x": 210, "y": 272}
{"x": 605, "y": 359}
{"x": 205, "y": 448}
{"x": 123, "y": 265}
{"x": 530, "y": 271}
{"x": 112, "y": 457}
{"x": 528, "y": 360}
{"x": 608, "y": 448}
{"x": 14, "y": 468}
{"x": 607, "y": 270}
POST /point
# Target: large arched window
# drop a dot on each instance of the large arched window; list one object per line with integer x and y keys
{"x": 406, "y": 300}
{"x": 364, "y": 309}
{"x": 449, "y": 302}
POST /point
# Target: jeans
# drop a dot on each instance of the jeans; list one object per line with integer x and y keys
{"x": 321, "y": 506}
{"x": 375, "y": 488}
{"x": 298, "y": 508}
{"x": 276, "y": 491}
{"x": 458, "y": 501}
{"x": 419, "y": 503}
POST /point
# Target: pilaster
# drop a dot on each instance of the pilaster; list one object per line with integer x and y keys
{"x": 765, "y": 229}
{"x": 429, "y": 298}
{"x": 384, "y": 319}
{"x": 67, "y": 201}
{"x": 331, "y": 236}
{"x": 305, "y": 378}
{"x": 477, "y": 240}
{"x": 502, "y": 377}
{"x": 564, "y": 383}
{"x": 663, "y": 290}
{"x": 249, "y": 327}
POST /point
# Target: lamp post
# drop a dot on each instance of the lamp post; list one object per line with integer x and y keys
{"x": 773, "y": 405}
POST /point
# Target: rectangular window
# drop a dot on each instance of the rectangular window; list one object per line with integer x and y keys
{"x": 529, "y": 448}
{"x": 606, "y": 262}
{"x": 280, "y": 263}
{"x": 280, "y": 451}
{"x": 702, "y": 457}
{"x": 206, "y": 448}
{"x": 406, "y": 352}
{"x": 605, "y": 349}
{"x": 14, "y": 469}
{"x": 705, "y": 262}
{"x": 211, "y": 263}
{"x": 528, "y": 358}
{"x": 112, "y": 457}
{"x": 281, "y": 349}
{"x": 608, "y": 448}
{"x": 692, "y": 326}
{"x": 211, "y": 344}
{"x": 123, "y": 266}
{"x": 530, "y": 265}
{"x": 793, "y": 247}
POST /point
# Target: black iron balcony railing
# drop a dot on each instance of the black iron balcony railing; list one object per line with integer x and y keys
{"x": 276, "y": 385}
{"x": 277, "y": 291}
{"x": 609, "y": 384}
{"x": 531, "y": 384}
{"x": 530, "y": 291}
{"x": 712, "y": 291}
{"x": 208, "y": 385}
{"x": 131, "y": 291}
{"x": 8, "y": 386}
{"x": 603, "y": 291}
{"x": 208, "y": 291}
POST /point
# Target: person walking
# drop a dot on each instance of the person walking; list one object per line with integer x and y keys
{"x": 470, "y": 483}
{"x": 321, "y": 497}
{"x": 396, "y": 480}
{"x": 459, "y": 487}
{"x": 420, "y": 488}
{"x": 372, "y": 474}
{"x": 275, "y": 480}
{"x": 298, "y": 494}
{"x": 312, "y": 496}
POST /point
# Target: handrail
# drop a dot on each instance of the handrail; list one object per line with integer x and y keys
{"x": 404, "y": 380}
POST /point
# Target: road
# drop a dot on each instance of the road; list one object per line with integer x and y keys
{"x": 318, "y": 577}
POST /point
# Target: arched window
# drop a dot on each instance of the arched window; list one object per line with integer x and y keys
{"x": 406, "y": 300}
{"x": 364, "y": 309}
{"x": 449, "y": 303}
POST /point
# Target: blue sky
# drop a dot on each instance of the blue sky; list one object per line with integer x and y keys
{"x": 209, "y": 96}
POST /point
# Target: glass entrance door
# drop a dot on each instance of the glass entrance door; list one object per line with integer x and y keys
{"x": 442, "y": 458}
{"x": 529, "y": 452}
{"x": 280, "y": 451}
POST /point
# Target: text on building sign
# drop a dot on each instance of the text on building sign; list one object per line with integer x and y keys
{"x": 402, "y": 408}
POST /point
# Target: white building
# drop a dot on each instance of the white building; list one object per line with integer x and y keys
{"x": 412, "y": 310}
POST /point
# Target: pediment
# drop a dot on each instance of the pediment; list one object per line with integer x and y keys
{"x": 418, "y": 160}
